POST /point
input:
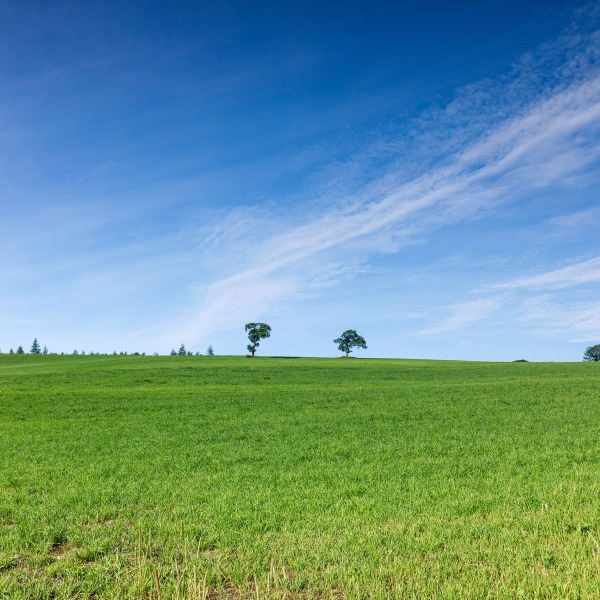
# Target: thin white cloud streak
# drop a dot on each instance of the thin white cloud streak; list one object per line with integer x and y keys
{"x": 587, "y": 271}
{"x": 577, "y": 220}
{"x": 519, "y": 152}
{"x": 524, "y": 138}
{"x": 556, "y": 139}
{"x": 464, "y": 315}
{"x": 576, "y": 322}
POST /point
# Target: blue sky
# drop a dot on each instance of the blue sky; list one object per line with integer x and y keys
{"x": 426, "y": 173}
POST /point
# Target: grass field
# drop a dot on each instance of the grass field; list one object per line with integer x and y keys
{"x": 226, "y": 477}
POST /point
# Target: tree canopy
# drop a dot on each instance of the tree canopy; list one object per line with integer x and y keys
{"x": 256, "y": 332}
{"x": 592, "y": 353}
{"x": 349, "y": 340}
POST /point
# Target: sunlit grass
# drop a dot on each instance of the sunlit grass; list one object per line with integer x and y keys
{"x": 198, "y": 477}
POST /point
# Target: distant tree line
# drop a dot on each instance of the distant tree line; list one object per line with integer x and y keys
{"x": 184, "y": 352}
{"x": 36, "y": 348}
{"x": 255, "y": 331}
{"x": 347, "y": 342}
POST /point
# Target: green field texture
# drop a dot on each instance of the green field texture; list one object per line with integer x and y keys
{"x": 229, "y": 477}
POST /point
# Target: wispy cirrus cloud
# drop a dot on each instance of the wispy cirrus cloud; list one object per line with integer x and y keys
{"x": 576, "y": 220}
{"x": 587, "y": 271}
{"x": 519, "y": 301}
{"x": 577, "y": 322}
{"x": 464, "y": 315}
{"x": 548, "y": 142}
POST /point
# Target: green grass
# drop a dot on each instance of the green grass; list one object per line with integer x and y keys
{"x": 225, "y": 477}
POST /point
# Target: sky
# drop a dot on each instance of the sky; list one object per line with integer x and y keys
{"x": 424, "y": 172}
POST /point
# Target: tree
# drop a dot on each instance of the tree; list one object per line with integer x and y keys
{"x": 35, "y": 347}
{"x": 592, "y": 354}
{"x": 256, "y": 332}
{"x": 350, "y": 339}
{"x": 182, "y": 350}
{"x": 20, "y": 350}
{"x": 45, "y": 350}
{"x": 210, "y": 351}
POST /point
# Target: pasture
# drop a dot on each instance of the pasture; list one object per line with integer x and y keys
{"x": 227, "y": 477}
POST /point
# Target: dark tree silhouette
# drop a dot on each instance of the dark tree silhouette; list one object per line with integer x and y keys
{"x": 256, "y": 332}
{"x": 592, "y": 353}
{"x": 350, "y": 339}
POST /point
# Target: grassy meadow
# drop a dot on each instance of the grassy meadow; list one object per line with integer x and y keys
{"x": 228, "y": 477}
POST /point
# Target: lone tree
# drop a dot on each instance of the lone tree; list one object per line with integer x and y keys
{"x": 256, "y": 332}
{"x": 350, "y": 339}
{"x": 592, "y": 354}
{"x": 35, "y": 347}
